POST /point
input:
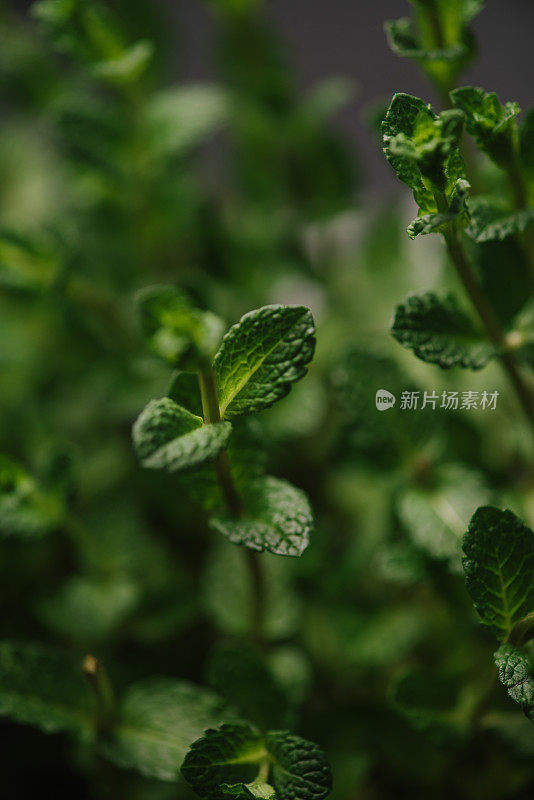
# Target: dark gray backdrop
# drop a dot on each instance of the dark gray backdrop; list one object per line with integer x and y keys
{"x": 345, "y": 37}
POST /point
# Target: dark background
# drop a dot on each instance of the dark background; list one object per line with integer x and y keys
{"x": 346, "y": 37}
{"x": 328, "y": 38}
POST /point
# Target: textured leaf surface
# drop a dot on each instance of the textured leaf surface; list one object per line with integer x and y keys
{"x": 440, "y": 333}
{"x": 43, "y": 687}
{"x": 435, "y": 223}
{"x": 167, "y": 436}
{"x": 423, "y": 148}
{"x": 278, "y": 518}
{"x": 26, "y": 511}
{"x": 401, "y": 118}
{"x": 158, "y": 720}
{"x": 300, "y": 768}
{"x": 516, "y": 672}
{"x": 261, "y": 356}
{"x": 174, "y": 330}
{"x": 499, "y": 565}
{"x": 223, "y": 757}
{"x": 491, "y": 221}
{"x": 489, "y": 122}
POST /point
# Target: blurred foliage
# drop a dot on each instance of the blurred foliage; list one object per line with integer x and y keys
{"x": 240, "y": 193}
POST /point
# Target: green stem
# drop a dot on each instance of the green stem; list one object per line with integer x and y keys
{"x": 485, "y": 311}
{"x": 232, "y": 498}
{"x": 263, "y": 772}
{"x": 520, "y": 198}
{"x": 102, "y": 689}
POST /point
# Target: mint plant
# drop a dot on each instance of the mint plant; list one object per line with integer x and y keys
{"x": 424, "y": 150}
{"x": 438, "y": 38}
{"x": 498, "y": 565}
{"x": 258, "y": 360}
{"x": 177, "y": 621}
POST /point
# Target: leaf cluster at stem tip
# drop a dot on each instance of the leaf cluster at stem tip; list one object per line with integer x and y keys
{"x": 255, "y": 365}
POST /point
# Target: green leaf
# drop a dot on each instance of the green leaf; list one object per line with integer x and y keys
{"x": 239, "y": 675}
{"x": 256, "y": 789}
{"x": 423, "y": 148}
{"x": 87, "y": 611}
{"x": 228, "y": 593}
{"x": 178, "y": 119}
{"x": 278, "y": 518}
{"x": 436, "y": 223}
{"x": 432, "y": 703}
{"x": 261, "y": 356}
{"x": 300, "y": 768}
{"x": 167, "y": 436}
{"x": 516, "y": 672}
{"x": 26, "y": 511}
{"x": 441, "y": 55}
{"x": 491, "y": 124}
{"x": 440, "y": 333}
{"x": 185, "y": 391}
{"x": 498, "y": 565}
{"x": 43, "y": 687}
{"x": 158, "y": 719}
{"x": 490, "y": 220}
{"x": 174, "y": 330}
{"x": 26, "y": 265}
{"x": 126, "y": 66}
{"x": 86, "y": 30}
{"x": 224, "y": 759}
{"x": 436, "y": 513}
{"x": 496, "y": 261}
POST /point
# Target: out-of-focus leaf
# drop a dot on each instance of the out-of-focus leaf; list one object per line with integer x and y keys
{"x": 433, "y": 703}
{"x": 492, "y": 220}
{"x": 439, "y": 332}
{"x": 228, "y": 593}
{"x": 436, "y": 515}
{"x": 87, "y": 611}
{"x": 239, "y": 675}
{"x": 174, "y": 330}
{"x": 158, "y": 720}
{"x": 178, "y": 119}
{"x": 26, "y": 265}
{"x": 26, "y": 510}
{"x": 43, "y": 687}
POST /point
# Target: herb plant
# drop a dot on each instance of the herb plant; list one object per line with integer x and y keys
{"x": 241, "y": 555}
